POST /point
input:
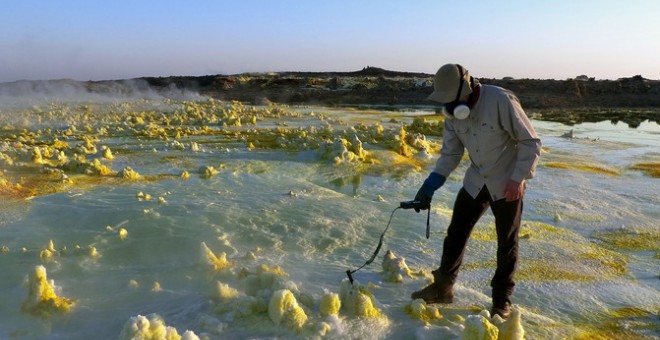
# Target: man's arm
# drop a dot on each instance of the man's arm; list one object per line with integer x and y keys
{"x": 451, "y": 152}
{"x": 517, "y": 124}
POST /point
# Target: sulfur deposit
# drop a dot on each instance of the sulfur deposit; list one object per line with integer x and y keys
{"x": 225, "y": 292}
{"x": 152, "y": 327}
{"x": 123, "y": 233}
{"x": 395, "y": 268}
{"x": 283, "y": 309}
{"x": 512, "y": 328}
{"x": 478, "y": 327}
{"x": 357, "y": 300}
{"x": 418, "y": 309}
{"x": 72, "y": 135}
{"x": 128, "y": 173}
{"x": 42, "y": 300}
{"x": 217, "y": 262}
{"x": 330, "y": 304}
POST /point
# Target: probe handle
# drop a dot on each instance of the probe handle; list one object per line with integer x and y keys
{"x": 412, "y": 205}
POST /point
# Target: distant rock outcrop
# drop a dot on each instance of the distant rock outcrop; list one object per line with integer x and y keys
{"x": 631, "y": 99}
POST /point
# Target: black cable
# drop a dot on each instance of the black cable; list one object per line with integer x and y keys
{"x": 373, "y": 257}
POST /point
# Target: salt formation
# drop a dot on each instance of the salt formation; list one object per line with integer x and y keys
{"x": 266, "y": 292}
{"x": 218, "y": 262}
{"x": 96, "y": 168}
{"x": 330, "y": 304}
{"x": 123, "y": 233}
{"x": 88, "y": 147}
{"x": 395, "y": 268}
{"x": 143, "y": 197}
{"x": 152, "y": 327}
{"x": 128, "y": 173}
{"x": 208, "y": 171}
{"x": 511, "y": 329}
{"x": 283, "y": 309}
{"x": 357, "y": 300}
{"x": 155, "y": 287}
{"x": 185, "y": 119}
{"x": 6, "y": 160}
{"x": 107, "y": 153}
{"x": 49, "y": 251}
{"x": 344, "y": 151}
{"x": 477, "y": 327}
{"x": 225, "y": 292}
{"x": 418, "y": 309}
{"x": 266, "y": 280}
{"x": 42, "y": 300}
{"x": 36, "y": 156}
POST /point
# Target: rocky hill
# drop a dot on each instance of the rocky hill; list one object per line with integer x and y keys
{"x": 632, "y": 100}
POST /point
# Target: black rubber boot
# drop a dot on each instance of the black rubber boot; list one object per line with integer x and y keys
{"x": 440, "y": 291}
{"x": 501, "y": 307}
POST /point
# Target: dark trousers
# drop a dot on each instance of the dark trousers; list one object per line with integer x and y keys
{"x": 467, "y": 211}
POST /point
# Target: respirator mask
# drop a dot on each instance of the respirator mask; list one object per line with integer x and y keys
{"x": 458, "y": 109}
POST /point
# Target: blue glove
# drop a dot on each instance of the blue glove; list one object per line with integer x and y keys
{"x": 425, "y": 193}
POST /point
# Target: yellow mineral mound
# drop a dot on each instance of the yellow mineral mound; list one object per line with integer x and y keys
{"x": 395, "y": 268}
{"x": 330, "y": 304}
{"x": 6, "y": 160}
{"x": 357, "y": 300}
{"x": 97, "y": 168}
{"x": 260, "y": 282}
{"x": 225, "y": 292}
{"x": 218, "y": 262}
{"x": 107, "y": 153}
{"x": 477, "y": 327}
{"x": 122, "y": 233}
{"x": 88, "y": 147}
{"x": 512, "y": 328}
{"x": 36, "y": 156}
{"x": 208, "y": 171}
{"x": 42, "y": 300}
{"x": 49, "y": 251}
{"x": 418, "y": 309}
{"x": 283, "y": 309}
{"x": 128, "y": 173}
{"x": 152, "y": 327}
{"x": 277, "y": 270}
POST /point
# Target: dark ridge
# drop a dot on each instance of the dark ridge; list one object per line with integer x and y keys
{"x": 631, "y": 99}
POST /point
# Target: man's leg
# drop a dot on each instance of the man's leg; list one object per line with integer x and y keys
{"x": 507, "y": 223}
{"x": 467, "y": 211}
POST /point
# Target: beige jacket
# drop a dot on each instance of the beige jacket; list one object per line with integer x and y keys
{"x": 500, "y": 141}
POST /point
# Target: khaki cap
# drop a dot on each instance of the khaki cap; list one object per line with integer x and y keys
{"x": 445, "y": 84}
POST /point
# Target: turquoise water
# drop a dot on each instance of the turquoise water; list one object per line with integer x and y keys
{"x": 316, "y": 219}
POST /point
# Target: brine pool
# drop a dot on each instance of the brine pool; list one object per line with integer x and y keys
{"x": 589, "y": 268}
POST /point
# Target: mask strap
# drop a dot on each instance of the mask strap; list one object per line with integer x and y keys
{"x": 460, "y": 84}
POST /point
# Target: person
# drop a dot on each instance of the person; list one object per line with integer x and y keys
{"x": 504, "y": 150}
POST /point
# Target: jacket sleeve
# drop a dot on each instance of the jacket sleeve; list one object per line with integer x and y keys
{"x": 451, "y": 152}
{"x": 517, "y": 124}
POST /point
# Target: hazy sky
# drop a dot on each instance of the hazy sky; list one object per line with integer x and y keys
{"x": 96, "y": 40}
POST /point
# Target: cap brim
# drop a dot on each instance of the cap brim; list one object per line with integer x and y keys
{"x": 441, "y": 97}
{"x": 448, "y": 97}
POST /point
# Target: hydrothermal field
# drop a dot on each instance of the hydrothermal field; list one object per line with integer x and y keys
{"x": 161, "y": 218}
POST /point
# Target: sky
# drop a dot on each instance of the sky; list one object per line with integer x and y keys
{"x": 102, "y": 40}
